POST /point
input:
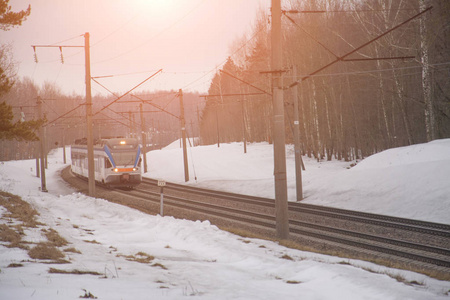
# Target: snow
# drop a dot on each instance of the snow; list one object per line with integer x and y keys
{"x": 196, "y": 259}
{"x": 410, "y": 182}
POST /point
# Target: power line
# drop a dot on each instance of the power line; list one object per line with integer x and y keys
{"x": 63, "y": 115}
{"x": 294, "y": 11}
{"x": 363, "y": 72}
{"x": 308, "y": 34}
{"x": 118, "y": 98}
{"x": 342, "y": 58}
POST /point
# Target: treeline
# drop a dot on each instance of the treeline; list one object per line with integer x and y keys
{"x": 65, "y": 116}
{"x": 392, "y": 92}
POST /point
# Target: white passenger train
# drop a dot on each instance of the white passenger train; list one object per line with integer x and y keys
{"x": 117, "y": 161}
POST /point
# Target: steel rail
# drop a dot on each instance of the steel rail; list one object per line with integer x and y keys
{"x": 431, "y": 228}
{"x": 345, "y": 237}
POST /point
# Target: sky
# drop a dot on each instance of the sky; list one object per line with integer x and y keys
{"x": 131, "y": 40}
{"x": 201, "y": 261}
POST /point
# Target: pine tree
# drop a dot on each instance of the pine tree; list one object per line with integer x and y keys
{"x": 19, "y": 130}
{"x": 8, "y": 19}
{"x": 9, "y": 130}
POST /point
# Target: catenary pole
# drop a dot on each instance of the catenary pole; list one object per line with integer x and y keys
{"x": 279, "y": 149}
{"x": 183, "y": 137}
{"x": 41, "y": 146}
{"x": 90, "y": 137}
{"x": 144, "y": 138}
{"x": 298, "y": 157}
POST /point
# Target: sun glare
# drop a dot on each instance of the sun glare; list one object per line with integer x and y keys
{"x": 155, "y": 5}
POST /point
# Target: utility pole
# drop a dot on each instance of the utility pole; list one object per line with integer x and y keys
{"x": 298, "y": 157}
{"x": 46, "y": 146}
{"x": 279, "y": 149}
{"x": 198, "y": 125}
{"x": 90, "y": 138}
{"x": 217, "y": 123}
{"x": 64, "y": 146}
{"x": 37, "y": 153}
{"x": 41, "y": 146}
{"x": 144, "y": 138}
{"x": 131, "y": 123}
{"x": 183, "y": 137}
{"x": 244, "y": 131}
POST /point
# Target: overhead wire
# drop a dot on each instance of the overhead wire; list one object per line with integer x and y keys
{"x": 65, "y": 114}
{"x": 118, "y": 98}
{"x": 363, "y": 72}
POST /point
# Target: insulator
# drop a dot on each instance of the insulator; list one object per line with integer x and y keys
{"x": 62, "y": 57}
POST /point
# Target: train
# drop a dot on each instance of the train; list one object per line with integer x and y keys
{"x": 117, "y": 161}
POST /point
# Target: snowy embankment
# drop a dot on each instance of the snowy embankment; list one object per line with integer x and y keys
{"x": 410, "y": 182}
{"x": 150, "y": 257}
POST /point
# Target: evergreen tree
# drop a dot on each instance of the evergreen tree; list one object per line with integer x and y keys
{"x": 8, "y": 130}
{"x": 19, "y": 130}
{"x": 8, "y": 19}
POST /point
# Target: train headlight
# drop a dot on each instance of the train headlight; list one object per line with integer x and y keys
{"x": 134, "y": 169}
{"x": 116, "y": 170}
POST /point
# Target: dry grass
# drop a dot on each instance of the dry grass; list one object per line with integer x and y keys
{"x": 91, "y": 242}
{"x": 54, "y": 238}
{"x": 75, "y": 272}
{"x": 14, "y": 265}
{"x": 72, "y": 250}
{"x": 140, "y": 257}
{"x": 9, "y": 235}
{"x": 287, "y": 257}
{"x": 19, "y": 209}
{"x": 23, "y": 213}
{"x": 45, "y": 251}
{"x": 87, "y": 295}
{"x": 293, "y": 282}
{"x": 143, "y": 258}
{"x": 159, "y": 265}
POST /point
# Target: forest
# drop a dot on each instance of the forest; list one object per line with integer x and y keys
{"x": 369, "y": 75}
{"x": 65, "y": 116}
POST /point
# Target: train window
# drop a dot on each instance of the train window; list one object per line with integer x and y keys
{"x": 124, "y": 158}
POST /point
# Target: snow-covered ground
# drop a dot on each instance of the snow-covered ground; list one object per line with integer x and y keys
{"x": 196, "y": 259}
{"x": 411, "y": 182}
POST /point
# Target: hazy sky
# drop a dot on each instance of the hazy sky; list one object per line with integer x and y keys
{"x": 185, "y": 38}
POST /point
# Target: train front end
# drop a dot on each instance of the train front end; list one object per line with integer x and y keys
{"x": 124, "y": 166}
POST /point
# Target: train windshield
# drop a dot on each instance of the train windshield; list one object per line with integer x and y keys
{"x": 124, "y": 158}
{"x": 123, "y": 151}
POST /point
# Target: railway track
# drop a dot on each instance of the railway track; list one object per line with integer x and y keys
{"x": 404, "y": 243}
{"x": 383, "y": 220}
{"x": 394, "y": 244}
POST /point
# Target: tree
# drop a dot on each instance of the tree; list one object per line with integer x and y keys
{"x": 8, "y": 130}
{"x": 7, "y": 70}
{"x": 9, "y": 18}
{"x": 19, "y": 130}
